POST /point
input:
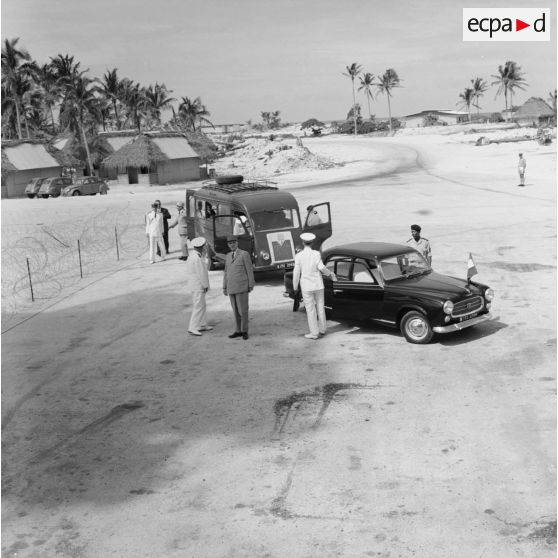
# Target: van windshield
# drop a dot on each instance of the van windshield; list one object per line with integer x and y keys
{"x": 276, "y": 219}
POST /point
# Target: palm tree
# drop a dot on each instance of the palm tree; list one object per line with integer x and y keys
{"x": 15, "y": 72}
{"x": 366, "y": 83}
{"x": 193, "y": 112}
{"x": 133, "y": 97}
{"x": 466, "y": 99}
{"x": 552, "y": 100}
{"x": 479, "y": 88}
{"x": 111, "y": 89}
{"x": 352, "y": 72}
{"x": 386, "y": 83}
{"x": 50, "y": 91}
{"x": 509, "y": 77}
{"x": 158, "y": 100}
{"x": 81, "y": 103}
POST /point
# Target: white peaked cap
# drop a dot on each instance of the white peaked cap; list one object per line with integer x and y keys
{"x": 198, "y": 242}
{"x": 307, "y": 237}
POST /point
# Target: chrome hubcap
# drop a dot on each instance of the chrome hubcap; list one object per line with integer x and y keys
{"x": 417, "y": 327}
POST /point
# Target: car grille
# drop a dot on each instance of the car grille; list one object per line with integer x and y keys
{"x": 467, "y": 306}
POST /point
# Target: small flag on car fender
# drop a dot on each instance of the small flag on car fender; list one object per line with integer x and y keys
{"x": 471, "y": 267}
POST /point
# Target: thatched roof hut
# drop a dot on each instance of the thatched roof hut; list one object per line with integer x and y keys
{"x": 168, "y": 157}
{"x": 140, "y": 152}
{"x": 534, "y": 111}
{"x": 23, "y": 160}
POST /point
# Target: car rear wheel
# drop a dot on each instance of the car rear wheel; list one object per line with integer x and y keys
{"x": 76, "y": 193}
{"x": 45, "y": 196}
{"x": 30, "y": 196}
{"x": 416, "y": 328}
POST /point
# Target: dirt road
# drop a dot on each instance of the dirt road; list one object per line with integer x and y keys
{"x": 123, "y": 436}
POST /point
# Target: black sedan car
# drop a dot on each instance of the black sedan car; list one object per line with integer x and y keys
{"x": 394, "y": 285}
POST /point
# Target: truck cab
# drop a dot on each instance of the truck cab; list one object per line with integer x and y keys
{"x": 265, "y": 219}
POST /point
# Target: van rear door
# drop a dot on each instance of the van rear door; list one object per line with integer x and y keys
{"x": 225, "y": 225}
{"x": 191, "y": 213}
{"x": 318, "y": 222}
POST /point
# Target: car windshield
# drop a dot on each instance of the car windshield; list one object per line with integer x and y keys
{"x": 275, "y": 219}
{"x": 404, "y": 265}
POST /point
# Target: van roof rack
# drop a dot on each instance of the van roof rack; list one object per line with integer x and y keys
{"x": 240, "y": 187}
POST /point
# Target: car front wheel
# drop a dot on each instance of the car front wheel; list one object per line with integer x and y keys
{"x": 416, "y": 328}
{"x": 76, "y": 193}
{"x": 30, "y": 196}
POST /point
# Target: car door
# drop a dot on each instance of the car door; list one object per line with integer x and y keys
{"x": 357, "y": 293}
{"x": 318, "y": 222}
{"x": 191, "y": 213}
{"x": 225, "y": 225}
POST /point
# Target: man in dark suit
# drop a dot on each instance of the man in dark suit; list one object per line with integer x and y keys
{"x": 238, "y": 281}
{"x": 166, "y": 216}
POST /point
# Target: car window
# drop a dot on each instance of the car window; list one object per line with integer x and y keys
{"x": 343, "y": 269}
{"x": 361, "y": 274}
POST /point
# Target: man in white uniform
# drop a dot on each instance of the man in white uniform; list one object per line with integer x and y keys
{"x": 154, "y": 232}
{"x": 308, "y": 272}
{"x": 198, "y": 283}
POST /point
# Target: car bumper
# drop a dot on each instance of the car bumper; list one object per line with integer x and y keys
{"x": 462, "y": 325}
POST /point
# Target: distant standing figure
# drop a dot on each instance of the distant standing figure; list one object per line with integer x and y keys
{"x": 521, "y": 166}
{"x": 198, "y": 282}
{"x": 312, "y": 218}
{"x": 238, "y": 281}
{"x": 308, "y": 270}
{"x": 154, "y": 232}
{"x": 420, "y": 243}
{"x": 182, "y": 224}
{"x": 166, "y": 216}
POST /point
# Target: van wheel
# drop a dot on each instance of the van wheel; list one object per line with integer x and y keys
{"x": 416, "y": 328}
{"x": 76, "y": 193}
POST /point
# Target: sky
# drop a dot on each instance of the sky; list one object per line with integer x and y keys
{"x": 243, "y": 57}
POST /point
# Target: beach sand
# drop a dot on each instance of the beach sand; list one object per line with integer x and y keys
{"x": 123, "y": 436}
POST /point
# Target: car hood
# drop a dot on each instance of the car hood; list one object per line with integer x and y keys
{"x": 434, "y": 285}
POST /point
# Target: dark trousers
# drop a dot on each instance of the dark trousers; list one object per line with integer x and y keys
{"x": 239, "y": 303}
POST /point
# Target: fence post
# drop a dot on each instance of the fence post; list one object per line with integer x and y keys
{"x": 30, "y": 283}
{"x": 116, "y": 237}
{"x": 80, "y": 268}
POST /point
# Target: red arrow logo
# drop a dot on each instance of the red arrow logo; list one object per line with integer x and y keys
{"x": 519, "y": 25}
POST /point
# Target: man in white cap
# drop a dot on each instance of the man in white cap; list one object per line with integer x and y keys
{"x": 181, "y": 222}
{"x": 308, "y": 272}
{"x": 198, "y": 282}
{"x": 154, "y": 232}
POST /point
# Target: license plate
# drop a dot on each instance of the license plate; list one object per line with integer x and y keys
{"x": 284, "y": 265}
{"x": 465, "y": 318}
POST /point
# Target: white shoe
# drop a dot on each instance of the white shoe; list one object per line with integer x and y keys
{"x": 152, "y": 262}
{"x": 311, "y": 336}
{"x": 206, "y": 328}
{"x": 194, "y": 332}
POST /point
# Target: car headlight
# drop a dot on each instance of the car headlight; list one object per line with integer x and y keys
{"x": 265, "y": 255}
{"x": 448, "y": 307}
{"x": 489, "y": 294}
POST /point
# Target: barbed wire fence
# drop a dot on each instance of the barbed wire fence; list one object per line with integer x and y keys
{"x": 41, "y": 262}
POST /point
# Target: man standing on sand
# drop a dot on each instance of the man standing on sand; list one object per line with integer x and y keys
{"x": 166, "y": 216}
{"x": 154, "y": 232}
{"x": 181, "y": 222}
{"x": 420, "y": 244}
{"x": 238, "y": 282}
{"x": 198, "y": 282}
{"x": 521, "y": 166}
{"x": 308, "y": 270}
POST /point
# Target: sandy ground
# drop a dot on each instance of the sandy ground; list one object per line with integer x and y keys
{"x": 123, "y": 436}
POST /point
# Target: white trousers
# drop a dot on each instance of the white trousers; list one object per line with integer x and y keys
{"x": 198, "y": 318}
{"x": 153, "y": 242}
{"x": 315, "y": 311}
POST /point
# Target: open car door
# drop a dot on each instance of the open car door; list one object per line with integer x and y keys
{"x": 225, "y": 225}
{"x": 318, "y": 222}
{"x": 190, "y": 214}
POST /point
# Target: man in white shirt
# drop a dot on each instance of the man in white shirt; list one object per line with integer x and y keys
{"x": 198, "y": 283}
{"x": 154, "y": 232}
{"x": 308, "y": 272}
